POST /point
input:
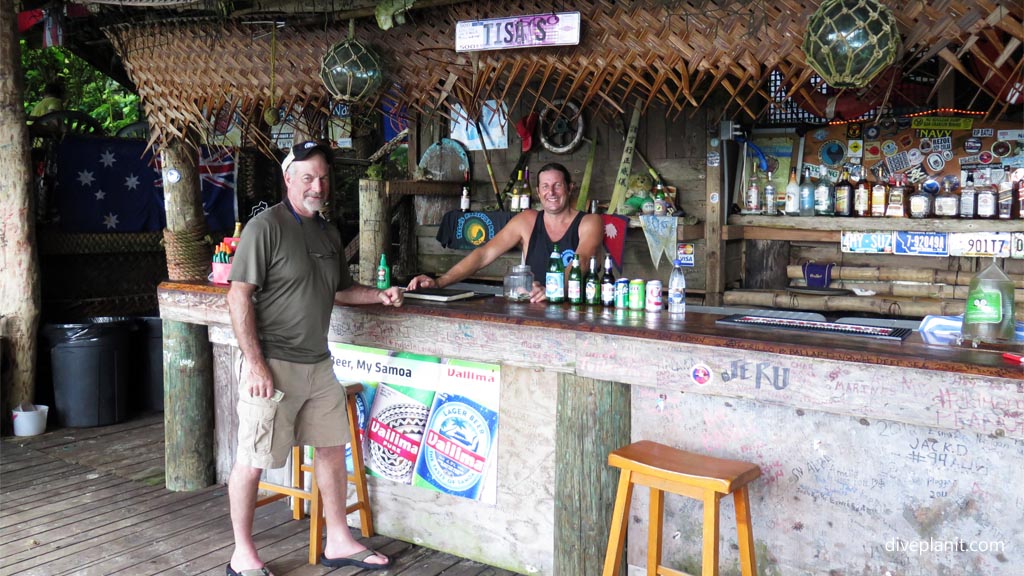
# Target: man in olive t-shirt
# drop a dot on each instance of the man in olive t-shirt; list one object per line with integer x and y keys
{"x": 287, "y": 273}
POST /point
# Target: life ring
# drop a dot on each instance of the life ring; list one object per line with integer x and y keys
{"x": 561, "y": 127}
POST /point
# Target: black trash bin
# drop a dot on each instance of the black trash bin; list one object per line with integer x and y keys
{"x": 149, "y": 395}
{"x": 92, "y": 364}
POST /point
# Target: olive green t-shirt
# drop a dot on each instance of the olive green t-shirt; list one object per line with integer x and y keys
{"x": 297, "y": 264}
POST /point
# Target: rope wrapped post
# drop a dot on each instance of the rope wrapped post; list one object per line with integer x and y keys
{"x": 188, "y": 357}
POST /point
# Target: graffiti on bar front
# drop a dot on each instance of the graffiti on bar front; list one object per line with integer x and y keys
{"x": 762, "y": 373}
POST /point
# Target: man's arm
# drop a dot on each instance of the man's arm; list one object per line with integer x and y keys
{"x": 508, "y": 238}
{"x": 359, "y": 294}
{"x": 591, "y": 237}
{"x": 243, "y": 320}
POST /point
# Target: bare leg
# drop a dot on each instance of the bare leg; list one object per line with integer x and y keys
{"x": 242, "y": 486}
{"x": 332, "y": 478}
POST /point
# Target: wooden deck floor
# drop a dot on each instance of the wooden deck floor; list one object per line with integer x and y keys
{"x": 91, "y": 501}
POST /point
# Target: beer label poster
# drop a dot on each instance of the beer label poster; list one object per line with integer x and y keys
{"x": 427, "y": 421}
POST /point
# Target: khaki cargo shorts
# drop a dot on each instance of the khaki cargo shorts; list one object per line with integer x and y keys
{"x": 312, "y": 413}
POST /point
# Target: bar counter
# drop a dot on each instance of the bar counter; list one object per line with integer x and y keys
{"x": 865, "y": 445}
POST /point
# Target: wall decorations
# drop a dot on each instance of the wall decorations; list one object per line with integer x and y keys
{"x": 832, "y": 153}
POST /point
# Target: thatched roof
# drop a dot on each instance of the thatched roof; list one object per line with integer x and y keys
{"x": 672, "y": 52}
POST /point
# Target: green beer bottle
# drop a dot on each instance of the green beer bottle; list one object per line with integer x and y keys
{"x": 383, "y": 274}
{"x": 554, "y": 279}
{"x": 575, "y": 282}
{"x": 592, "y": 286}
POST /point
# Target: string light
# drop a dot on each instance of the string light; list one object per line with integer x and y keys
{"x": 955, "y": 111}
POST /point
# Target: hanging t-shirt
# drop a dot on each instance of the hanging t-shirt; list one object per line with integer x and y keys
{"x": 469, "y": 230}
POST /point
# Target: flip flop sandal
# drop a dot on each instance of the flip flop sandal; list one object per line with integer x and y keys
{"x": 355, "y": 560}
{"x": 251, "y": 572}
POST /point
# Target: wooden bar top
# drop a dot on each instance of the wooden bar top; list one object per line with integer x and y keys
{"x": 693, "y": 328}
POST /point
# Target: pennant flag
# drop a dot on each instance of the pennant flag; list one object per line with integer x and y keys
{"x": 615, "y": 237}
{"x": 114, "y": 185}
{"x": 661, "y": 235}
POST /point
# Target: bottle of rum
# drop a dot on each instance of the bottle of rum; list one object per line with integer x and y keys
{"x": 792, "y": 198}
{"x": 898, "y": 197}
{"x": 824, "y": 198}
{"x": 967, "y": 196}
{"x": 844, "y": 194}
{"x": 986, "y": 201}
{"x": 947, "y": 204}
{"x": 879, "y": 198}
{"x": 920, "y": 203}
{"x": 862, "y": 198}
{"x": 769, "y": 205}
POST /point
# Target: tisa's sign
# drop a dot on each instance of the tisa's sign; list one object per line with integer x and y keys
{"x": 552, "y": 29}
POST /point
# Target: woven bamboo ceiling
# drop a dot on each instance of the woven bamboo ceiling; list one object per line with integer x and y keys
{"x": 672, "y": 52}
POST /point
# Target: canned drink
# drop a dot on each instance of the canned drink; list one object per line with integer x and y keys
{"x": 636, "y": 294}
{"x": 622, "y": 293}
{"x": 654, "y": 300}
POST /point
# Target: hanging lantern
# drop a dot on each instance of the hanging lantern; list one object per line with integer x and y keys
{"x": 350, "y": 71}
{"x": 848, "y": 42}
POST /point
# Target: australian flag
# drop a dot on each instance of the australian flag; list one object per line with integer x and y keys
{"x": 114, "y": 185}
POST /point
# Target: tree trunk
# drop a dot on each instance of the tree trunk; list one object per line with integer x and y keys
{"x": 374, "y": 229}
{"x": 188, "y": 365}
{"x": 19, "y": 283}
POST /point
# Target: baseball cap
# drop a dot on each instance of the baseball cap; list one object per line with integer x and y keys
{"x": 300, "y": 152}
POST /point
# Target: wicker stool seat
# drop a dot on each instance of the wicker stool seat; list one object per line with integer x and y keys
{"x": 704, "y": 478}
{"x": 299, "y": 495}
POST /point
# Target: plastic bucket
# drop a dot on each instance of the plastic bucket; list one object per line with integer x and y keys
{"x": 30, "y": 423}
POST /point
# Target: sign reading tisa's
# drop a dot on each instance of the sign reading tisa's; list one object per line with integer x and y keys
{"x": 551, "y": 29}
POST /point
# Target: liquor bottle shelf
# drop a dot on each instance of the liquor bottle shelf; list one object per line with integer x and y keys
{"x": 828, "y": 229}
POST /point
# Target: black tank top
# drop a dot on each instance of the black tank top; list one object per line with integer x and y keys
{"x": 539, "y": 250}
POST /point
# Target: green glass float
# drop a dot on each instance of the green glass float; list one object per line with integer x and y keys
{"x": 848, "y": 42}
{"x": 350, "y": 71}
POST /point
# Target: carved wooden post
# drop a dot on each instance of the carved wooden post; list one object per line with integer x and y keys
{"x": 19, "y": 283}
{"x": 593, "y": 419}
{"x": 188, "y": 359}
{"x": 374, "y": 228}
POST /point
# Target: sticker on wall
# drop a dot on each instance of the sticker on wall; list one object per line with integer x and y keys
{"x": 982, "y": 132}
{"x": 853, "y": 131}
{"x": 832, "y": 153}
{"x": 925, "y": 145}
{"x": 898, "y": 162}
{"x": 872, "y": 150}
{"x": 906, "y": 140}
{"x": 935, "y": 162}
{"x": 820, "y": 134}
{"x": 943, "y": 143}
{"x": 972, "y": 145}
{"x": 714, "y": 159}
{"x": 685, "y": 253}
{"x": 855, "y": 148}
{"x": 173, "y": 176}
{"x": 889, "y": 148}
{"x": 1001, "y": 148}
{"x": 985, "y": 157}
{"x": 916, "y": 174}
{"x": 872, "y": 132}
{"x": 914, "y": 156}
{"x": 700, "y": 374}
{"x": 713, "y": 198}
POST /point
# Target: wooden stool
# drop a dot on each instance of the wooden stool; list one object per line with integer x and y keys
{"x": 299, "y": 495}
{"x": 699, "y": 477}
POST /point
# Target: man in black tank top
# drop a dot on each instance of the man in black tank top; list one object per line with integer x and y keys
{"x": 575, "y": 232}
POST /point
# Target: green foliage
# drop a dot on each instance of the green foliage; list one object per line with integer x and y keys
{"x": 86, "y": 89}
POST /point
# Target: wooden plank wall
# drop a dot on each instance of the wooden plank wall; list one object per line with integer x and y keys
{"x": 676, "y": 147}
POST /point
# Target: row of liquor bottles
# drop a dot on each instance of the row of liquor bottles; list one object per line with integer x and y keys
{"x": 896, "y": 198}
{"x": 518, "y": 199}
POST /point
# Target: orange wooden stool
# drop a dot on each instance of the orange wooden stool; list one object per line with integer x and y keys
{"x": 299, "y": 495}
{"x": 696, "y": 476}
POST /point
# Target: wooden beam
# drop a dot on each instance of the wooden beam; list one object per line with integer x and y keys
{"x": 593, "y": 418}
{"x": 714, "y": 217}
{"x": 759, "y": 233}
{"x": 422, "y": 188}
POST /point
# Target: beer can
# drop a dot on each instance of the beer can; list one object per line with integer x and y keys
{"x": 636, "y": 294}
{"x": 654, "y": 300}
{"x": 622, "y": 293}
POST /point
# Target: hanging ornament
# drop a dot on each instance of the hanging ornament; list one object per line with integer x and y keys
{"x": 350, "y": 71}
{"x": 848, "y": 42}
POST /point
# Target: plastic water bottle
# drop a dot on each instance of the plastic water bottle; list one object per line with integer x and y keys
{"x": 677, "y": 289}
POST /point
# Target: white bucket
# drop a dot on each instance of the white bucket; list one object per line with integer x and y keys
{"x": 30, "y": 423}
